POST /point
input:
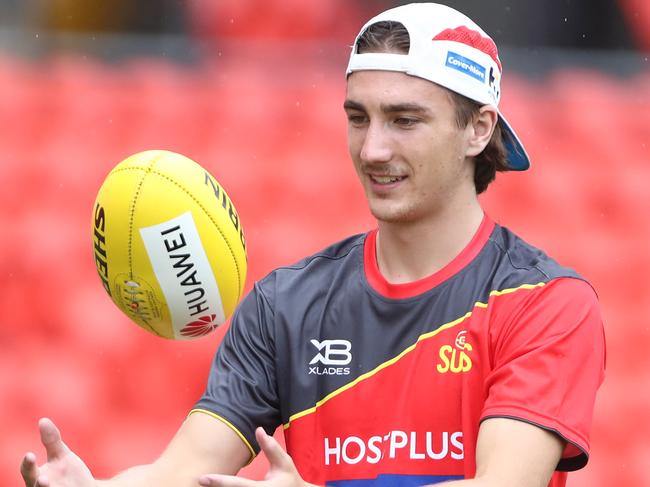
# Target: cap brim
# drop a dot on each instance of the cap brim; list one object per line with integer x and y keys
{"x": 517, "y": 157}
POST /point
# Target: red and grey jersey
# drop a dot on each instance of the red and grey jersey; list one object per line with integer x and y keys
{"x": 387, "y": 384}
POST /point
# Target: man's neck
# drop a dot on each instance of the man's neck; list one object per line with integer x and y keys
{"x": 409, "y": 251}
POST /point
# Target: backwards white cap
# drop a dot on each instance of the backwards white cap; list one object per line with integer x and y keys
{"x": 449, "y": 49}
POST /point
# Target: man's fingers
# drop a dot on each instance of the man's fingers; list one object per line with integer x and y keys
{"x": 30, "y": 472}
{"x": 225, "y": 481}
{"x": 29, "y": 469}
{"x": 276, "y": 455}
{"x": 51, "y": 439}
{"x": 281, "y": 467}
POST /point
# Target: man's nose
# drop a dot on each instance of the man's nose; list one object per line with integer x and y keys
{"x": 376, "y": 147}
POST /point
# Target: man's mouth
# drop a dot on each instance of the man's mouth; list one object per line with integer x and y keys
{"x": 386, "y": 179}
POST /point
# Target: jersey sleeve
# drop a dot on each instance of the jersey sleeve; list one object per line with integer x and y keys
{"x": 548, "y": 355}
{"x": 241, "y": 389}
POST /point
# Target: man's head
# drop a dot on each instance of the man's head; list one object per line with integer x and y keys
{"x": 441, "y": 45}
{"x": 412, "y": 159}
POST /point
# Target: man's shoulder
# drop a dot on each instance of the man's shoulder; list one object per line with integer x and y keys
{"x": 320, "y": 266}
{"x": 521, "y": 262}
{"x": 332, "y": 253}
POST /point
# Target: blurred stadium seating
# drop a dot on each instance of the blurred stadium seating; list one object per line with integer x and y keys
{"x": 276, "y": 141}
{"x": 637, "y": 13}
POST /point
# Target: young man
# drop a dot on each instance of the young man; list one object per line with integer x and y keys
{"x": 437, "y": 348}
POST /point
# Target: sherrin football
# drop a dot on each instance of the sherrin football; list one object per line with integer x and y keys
{"x": 169, "y": 245}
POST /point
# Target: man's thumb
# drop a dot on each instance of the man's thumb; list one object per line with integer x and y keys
{"x": 274, "y": 453}
{"x": 51, "y": 439}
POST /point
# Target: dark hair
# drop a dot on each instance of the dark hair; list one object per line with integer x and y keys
{"x": 389, "y": 36}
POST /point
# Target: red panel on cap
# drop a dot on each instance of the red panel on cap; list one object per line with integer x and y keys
{"x": 472, "y": 38}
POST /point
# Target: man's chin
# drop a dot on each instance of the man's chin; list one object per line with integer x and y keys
{"x": 392, "y": 215}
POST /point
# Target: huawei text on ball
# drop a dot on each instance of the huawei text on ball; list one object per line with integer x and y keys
{"x": 174, "y": 241}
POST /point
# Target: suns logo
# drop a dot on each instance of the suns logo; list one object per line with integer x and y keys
{"x": 455, "y": 359}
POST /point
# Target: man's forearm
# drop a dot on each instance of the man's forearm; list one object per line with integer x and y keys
{"x": 145, "y": 476}
{"x": 133, "y": 477}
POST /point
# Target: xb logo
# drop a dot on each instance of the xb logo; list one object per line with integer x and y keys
{"x": 332, "y": 352}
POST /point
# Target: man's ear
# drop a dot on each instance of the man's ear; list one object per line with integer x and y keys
{"x": 480, "y": 129}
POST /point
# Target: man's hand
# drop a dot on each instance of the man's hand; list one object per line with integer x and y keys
{"x": 282, "y": 472}
{"x": 63, "y": 467}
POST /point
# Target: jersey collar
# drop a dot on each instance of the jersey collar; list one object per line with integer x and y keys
{"x": 415, "y": 288}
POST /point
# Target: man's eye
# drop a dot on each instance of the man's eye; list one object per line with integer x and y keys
{"x": 406, "y": 121}
{"x": 356, "y": 119}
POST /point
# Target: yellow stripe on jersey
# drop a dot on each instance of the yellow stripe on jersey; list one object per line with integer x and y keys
{"x": 422, "y": 337}
{"x": 231, "y": 426}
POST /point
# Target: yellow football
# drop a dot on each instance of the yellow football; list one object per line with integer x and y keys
{"x": 169, "y": 245}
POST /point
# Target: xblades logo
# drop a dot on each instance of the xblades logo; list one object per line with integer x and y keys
{"x": 337, "y": 352}
{"x": 331, "y": 353}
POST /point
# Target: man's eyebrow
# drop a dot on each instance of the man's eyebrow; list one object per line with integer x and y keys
{"x": 404, "y": 107}
{"x": 353, "y": 105}
{"x": 388, "y": 108}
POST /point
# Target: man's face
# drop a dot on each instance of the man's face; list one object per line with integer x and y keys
{"x": 407, "y": 149}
